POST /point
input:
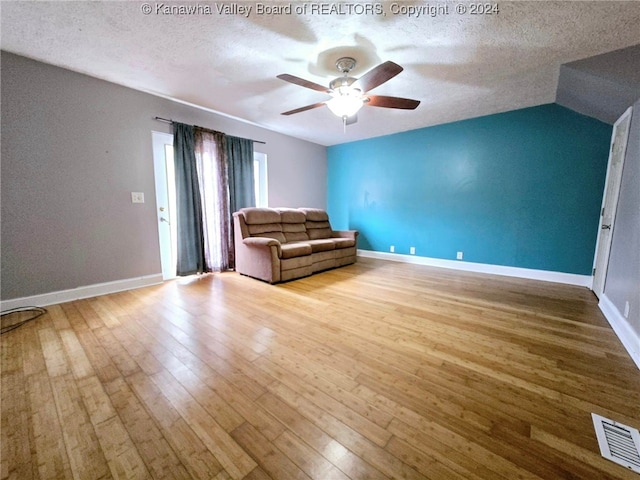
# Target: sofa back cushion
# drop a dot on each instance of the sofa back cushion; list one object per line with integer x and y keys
{"x": 287, "y": 224}
{"x": 293, "y": 225}
{"x": 263, "y": 222}
{"x": 257, "y": 216}
{"x": 295, "y": 232}
{"x": 317, "y": 223}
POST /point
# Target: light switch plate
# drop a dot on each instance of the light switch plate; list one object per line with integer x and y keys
{"x": 137, "y": 197}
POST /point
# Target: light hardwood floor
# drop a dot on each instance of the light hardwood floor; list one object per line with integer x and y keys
{"x": 372, "y": 371}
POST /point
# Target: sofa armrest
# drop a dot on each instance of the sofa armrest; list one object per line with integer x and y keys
{"x": 261, "y": 241}
{"x": 352, "y": 234}
{"x": 259, "y": 257}
{"x": 265, "y": 242}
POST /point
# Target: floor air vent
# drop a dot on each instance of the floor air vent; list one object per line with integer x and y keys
{"x": 618, "y": 443}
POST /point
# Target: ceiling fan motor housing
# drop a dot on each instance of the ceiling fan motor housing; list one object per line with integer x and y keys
{"x": 345, "y": 64}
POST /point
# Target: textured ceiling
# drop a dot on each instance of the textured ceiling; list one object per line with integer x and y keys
{"x": 458, "y": 65}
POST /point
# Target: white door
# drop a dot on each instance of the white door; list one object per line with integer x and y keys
{"x": 164, "y": 173}
{"x": 610, "y": 200}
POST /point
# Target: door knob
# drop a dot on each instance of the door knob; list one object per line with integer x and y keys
{"x": 162, "y": 219}
{"x": 606, "y": 227}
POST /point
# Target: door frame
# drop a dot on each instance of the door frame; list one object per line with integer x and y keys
{"x": 609, "y": 205}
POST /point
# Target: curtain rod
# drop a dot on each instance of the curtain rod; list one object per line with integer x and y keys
{"x": 167, "y": 120}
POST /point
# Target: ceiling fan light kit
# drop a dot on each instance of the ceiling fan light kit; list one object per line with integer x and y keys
{"x": 346, "y": 103}
{"x": 349, "y": 94}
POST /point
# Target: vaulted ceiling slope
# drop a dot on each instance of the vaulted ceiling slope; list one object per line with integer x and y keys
{"x": 225, "y": 56}
{"x": 603, "y": 86}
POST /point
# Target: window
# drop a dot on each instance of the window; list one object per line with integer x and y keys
{"x": 166, "y": 196}
{"x": 260, "y": 178}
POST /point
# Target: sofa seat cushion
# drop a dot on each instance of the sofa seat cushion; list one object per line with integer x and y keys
{"x": 296, "y": 249}
{"x": 322, "y": 245}
{"x": 344, "y": 242}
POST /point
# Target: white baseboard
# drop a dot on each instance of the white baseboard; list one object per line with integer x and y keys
{"x": 80, "y": 292}
{"x": 629, "y": 338}
{"x": 548, "y": 276}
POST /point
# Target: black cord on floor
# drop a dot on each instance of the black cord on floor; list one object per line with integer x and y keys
{"x": 7, "y": 325}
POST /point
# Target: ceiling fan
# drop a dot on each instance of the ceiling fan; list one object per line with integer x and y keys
{"x": 350, "y": 94}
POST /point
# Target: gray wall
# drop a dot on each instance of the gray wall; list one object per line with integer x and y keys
{"x": 603, "y": 86}
{"x": 73, "y": 150}
{"x": 597, "y": 97}
{"x": 623, "y": 274}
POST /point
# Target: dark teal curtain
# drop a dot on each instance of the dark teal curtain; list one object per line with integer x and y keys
{"x": 241, "y": 184}
{"x": 242, "y": 194}
{"x": 190, "y": 242}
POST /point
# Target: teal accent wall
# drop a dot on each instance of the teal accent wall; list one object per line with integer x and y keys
{"x": 520, "y": 189}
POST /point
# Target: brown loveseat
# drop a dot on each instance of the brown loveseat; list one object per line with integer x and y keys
{"x": 276, "y": 245}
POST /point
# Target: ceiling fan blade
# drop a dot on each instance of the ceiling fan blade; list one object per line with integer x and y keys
{"x": 392, "y": 102}
{"x": 303, "y": 109}
{"x": 378, "y": 75}
{"x": 302, "y": 82}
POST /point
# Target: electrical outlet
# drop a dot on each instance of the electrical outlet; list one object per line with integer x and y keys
{"x": 459, "y": 256}
{"x": 392, "y": 249}
{"x": 137, "y": 197}
{"x": 412, "y": 250}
